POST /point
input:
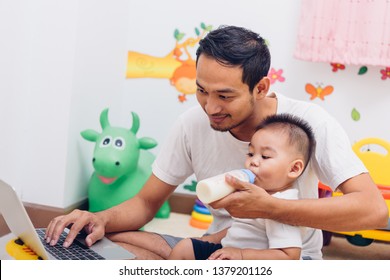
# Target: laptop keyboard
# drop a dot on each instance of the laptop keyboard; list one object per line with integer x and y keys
{"x": 76, "y": 251}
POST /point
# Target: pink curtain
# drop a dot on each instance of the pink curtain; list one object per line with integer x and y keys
{"x": 345, "y": 31}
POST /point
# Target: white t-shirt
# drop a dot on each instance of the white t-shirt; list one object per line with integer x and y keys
{"x": 264, "y": 233}
{"x": 193, "y": 147}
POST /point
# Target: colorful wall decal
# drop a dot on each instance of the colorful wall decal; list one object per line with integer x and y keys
{"x": 337, "y": 66}
{"x": 362, "y": 70}
{"x": 191, "y": 187}
{"x": 318, "y": 91}
{"x": 385, "y": 73}
{"x": 177, "y": 66}
{"x": 276, "y": 75}
{"x": 355, "y": 115}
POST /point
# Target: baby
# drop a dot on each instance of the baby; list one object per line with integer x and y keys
{"x": 279, "y": 152}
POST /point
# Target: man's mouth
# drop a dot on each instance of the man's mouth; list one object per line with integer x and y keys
{"x": 217, "y": 119}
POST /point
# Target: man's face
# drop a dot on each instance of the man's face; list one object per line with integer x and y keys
{"x": 222, "y": 94}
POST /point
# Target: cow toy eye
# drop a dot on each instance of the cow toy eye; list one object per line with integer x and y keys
{"x": 119, "y": 143}
{"x": 106, "y": 141}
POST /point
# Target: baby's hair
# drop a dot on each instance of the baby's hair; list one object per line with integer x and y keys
{"x": 300, "y": 134}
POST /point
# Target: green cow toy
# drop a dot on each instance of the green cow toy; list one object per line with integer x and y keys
{"x": 122, "y": 165}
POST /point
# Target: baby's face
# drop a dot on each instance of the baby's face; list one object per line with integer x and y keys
{"x": 270, "y": 159}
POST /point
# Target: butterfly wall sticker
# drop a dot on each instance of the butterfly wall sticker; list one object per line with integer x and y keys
{"x": 318, "y": 91}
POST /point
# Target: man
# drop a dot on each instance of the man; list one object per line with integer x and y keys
{"x": 232, "y": 68}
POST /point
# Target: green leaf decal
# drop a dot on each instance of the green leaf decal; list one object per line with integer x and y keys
{"x": 197, "y": 32}
{"x": 176, "y": 33}
{"x": 180, "y": 36}
{"x": 363, "y": 70}
{"x": 355, "y": 115}
{"x": 192, "y": 187}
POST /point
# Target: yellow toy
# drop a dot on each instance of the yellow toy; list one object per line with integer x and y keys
{"x": 378, "y": 164}
{"x": 202, "y": 217}
{"x": 19, "y": 251}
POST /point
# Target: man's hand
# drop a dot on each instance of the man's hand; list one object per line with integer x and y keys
{"x": 78, "y": 220}
{"x": 248, "y": 201}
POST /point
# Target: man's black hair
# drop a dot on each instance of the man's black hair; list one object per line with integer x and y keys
{"x": 237, "y": 46}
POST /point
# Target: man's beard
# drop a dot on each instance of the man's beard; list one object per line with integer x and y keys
{"x": 227, "y": 128}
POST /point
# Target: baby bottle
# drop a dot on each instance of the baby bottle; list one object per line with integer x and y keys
{"x": 214, "y": 188}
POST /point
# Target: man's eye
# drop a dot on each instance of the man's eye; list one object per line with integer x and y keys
{"x": 201, "y": 90}
{"x": 265, "y": 157}
{"x": 249, "y": 154}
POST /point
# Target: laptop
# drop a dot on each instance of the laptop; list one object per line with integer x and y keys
{"x": 18, "y": 221}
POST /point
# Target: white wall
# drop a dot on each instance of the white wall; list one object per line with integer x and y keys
{"x": 98, "y": 80}
{"x": 37, "y": 54}
{"x": 62, "y": 62}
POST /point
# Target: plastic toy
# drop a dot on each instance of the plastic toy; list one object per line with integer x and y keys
{"x": 378, "y": 165}
{"x": 19, "y": 251}
{"x": 200, "y": 217}
{"x": 121, "y": 165}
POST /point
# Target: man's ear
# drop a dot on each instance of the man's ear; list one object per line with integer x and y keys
{"x": 296, "y": 168}
{"x": 262, "y": 87}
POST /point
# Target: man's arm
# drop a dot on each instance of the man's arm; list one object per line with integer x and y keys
{"x": 129, "y": 215}
{"x": 215, "y": 237}
{"x": 361, "y": 207}
{"x": 139, "y": 210}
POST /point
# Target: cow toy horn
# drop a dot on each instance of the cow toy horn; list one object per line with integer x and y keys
{"x": 135, "y": 125}
{"x": 104, "y": 119}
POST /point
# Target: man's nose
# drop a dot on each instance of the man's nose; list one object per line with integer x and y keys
{"x": 213, "y": 106}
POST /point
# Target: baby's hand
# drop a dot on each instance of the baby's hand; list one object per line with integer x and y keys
{"x": 227, "y": 253}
